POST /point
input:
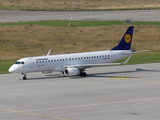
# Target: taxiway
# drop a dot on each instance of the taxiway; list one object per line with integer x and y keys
{"x": 133, "y": 15}
{"x": 116, "y": 93}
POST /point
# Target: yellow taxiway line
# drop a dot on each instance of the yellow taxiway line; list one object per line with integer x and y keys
{"x": 32, "y": 114}
{"x": 121, "y": 77}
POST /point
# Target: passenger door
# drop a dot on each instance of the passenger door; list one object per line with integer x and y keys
{"x": 31, "y": 61}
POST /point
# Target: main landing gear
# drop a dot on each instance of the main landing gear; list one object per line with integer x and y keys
{"x": 24, "y": 76}
{"x": 82, "y": 73}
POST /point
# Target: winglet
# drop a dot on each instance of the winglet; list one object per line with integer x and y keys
{"x": 48, "y": 52}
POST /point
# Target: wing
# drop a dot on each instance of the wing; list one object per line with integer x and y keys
{"x": 82, "y": 66}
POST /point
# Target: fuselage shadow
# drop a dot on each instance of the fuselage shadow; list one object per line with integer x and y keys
{"x": 104, "y": 74}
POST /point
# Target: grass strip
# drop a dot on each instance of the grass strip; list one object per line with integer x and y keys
{"x": 27, "y": 8}
{"x": 143, "y": 58}
{"x": 4, "y": 65}
{"x": 72, "y": 9}
{"x": 65, "y": 23}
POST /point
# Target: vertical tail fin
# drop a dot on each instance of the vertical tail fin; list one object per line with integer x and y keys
{"x": 125, "y": 43}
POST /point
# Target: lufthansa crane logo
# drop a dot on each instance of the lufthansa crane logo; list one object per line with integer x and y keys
{"x": 127, "y": 38}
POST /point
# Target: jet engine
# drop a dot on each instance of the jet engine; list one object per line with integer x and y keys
{"x": 71, "y": 71}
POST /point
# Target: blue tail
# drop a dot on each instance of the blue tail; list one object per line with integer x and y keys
{"x": 125, "y": 43}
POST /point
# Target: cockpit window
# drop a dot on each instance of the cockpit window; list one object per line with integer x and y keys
{"x": 19, "y": 63}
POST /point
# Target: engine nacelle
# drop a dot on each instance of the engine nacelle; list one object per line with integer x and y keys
{"x": 71, "y": 71}
{"x": 46, "y": 72}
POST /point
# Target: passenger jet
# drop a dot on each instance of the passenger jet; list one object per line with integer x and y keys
{"x": 76, "y": 63}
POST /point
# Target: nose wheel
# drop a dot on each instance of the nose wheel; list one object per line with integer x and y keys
{"x": 24, "y": 76}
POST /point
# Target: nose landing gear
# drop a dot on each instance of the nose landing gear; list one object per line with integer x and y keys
{"x": 24, "y": 76}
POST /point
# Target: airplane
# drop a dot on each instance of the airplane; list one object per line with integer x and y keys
{"x": 75, "y": 64}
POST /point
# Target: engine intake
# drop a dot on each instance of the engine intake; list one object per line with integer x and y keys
{"x": 71, "y": 71}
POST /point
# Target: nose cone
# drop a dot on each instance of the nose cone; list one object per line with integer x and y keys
{"x": 12, "y": 69}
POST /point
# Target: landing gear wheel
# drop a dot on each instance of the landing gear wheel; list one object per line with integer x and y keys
{"x": 24, "y": 78}
{"x": 83, "y": 74}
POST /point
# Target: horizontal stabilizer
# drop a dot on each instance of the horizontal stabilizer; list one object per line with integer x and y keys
{"x": 134, "y": 51}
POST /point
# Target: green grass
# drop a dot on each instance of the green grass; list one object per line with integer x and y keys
{"x": 35, "y": 9}
{"x": 142, "y": 58}
{"x": 24, "y": 9}
{"x": 60, "y": 23}
{"x": 4, "y": 65}
{"x": 148, "y": 57}
{"x": 139, "y": 58}
{"x": 70, "y": 9}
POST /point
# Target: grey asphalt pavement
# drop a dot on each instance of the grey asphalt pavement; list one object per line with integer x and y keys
{"x": 133, "y": 15}
{"x": 116, "y": 93}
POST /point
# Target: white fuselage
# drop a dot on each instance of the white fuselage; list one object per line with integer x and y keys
{"x": 56, "y": 62}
